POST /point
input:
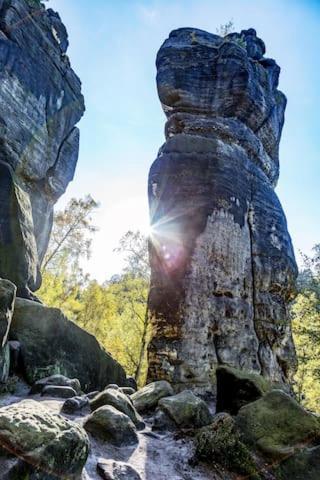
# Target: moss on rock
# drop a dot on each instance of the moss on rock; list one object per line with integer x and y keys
{"x": 277, "y": 425}
{"x": 220, "y": 443}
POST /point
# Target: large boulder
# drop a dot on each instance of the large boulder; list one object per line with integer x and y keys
{"x": 186, "y": 410}
{"x": 41, "y": 102}
{"x": 43, "y": 439}
{"x": 304, "y": 465}
{"x": 276, "y": 425}
{"x": 51, "y": 344}
{"x": 220, "y": 443}
{"x": 118, "y": 400}
{"x": 236, "y": 388}
{"x": 222, "y": 263}
{"x": 108, "y": 423}
{"x": 148, "y": 397}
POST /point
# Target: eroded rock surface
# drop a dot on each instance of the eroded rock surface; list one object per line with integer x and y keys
{"x": 38, "y": 151}
{"x": 223, "y": 266}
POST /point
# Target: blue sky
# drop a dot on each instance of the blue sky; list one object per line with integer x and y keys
{"x": 113, "y": 45}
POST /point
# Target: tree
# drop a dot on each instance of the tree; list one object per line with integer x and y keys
{"x": 306, "y": 331}
{"x": 224, "y": 29}
{"x": 70, "y": 242}
{"x": 134, "y": 245}
{"x": 71, "y": 235}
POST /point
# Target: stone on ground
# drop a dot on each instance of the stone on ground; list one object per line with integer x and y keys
{"x": 120, "y": 401}
{"x": 277, "y": 425}
{"x": 44, "y": 439}
{"x": 52, "y": 344}
{"x": 56, "y": 380}
{"x": 59, "y": 392}
{"x": 186, "y": 409}
{"x": 112, "y": 470}
{"x": 72, "y": 405}
{"x": 236, "y": 388}
{"x": 107, "y": 423}
{"x": 148, "y": 397}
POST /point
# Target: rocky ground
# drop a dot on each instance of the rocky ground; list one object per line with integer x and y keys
{"x": 158, "y": 455}
{"x": 257, "y": 431}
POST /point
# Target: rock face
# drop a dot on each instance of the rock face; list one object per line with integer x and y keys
{"x": 51, "y": 344}
{"x": 7, "y": 299}
{"x": 39, "y": 151}
{"x": 222, "y": 262}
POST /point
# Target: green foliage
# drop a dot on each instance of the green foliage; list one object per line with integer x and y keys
{"x": 306, "y": 331}
{"x": 220, "y": 443}
{"x": 224, "y": 29}
{"x": 116, "y": 311}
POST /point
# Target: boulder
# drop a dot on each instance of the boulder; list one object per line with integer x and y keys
{"x": 72, "y": 405}
{"x": 41, "y": 104}
{"x": 148, "y": 397}
{"x": 56, "y": 380}
{"x": 120, "y": 401}
{"x": 304, "y": 465}
{"x": 186, "y": 410}
{"x": 236, "y": 388}
{"x": 107, "y": 423}
{"x": 220, "y": 443}
{"x": 112, "y": 470}
{"x": 44, "y": 439}
{"x": 276, "y": 425}
{"x": 51, "y": 344}
{"x": 59, "y": 392}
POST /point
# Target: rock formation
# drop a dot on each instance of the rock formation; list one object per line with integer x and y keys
{"x": 223, "y": 266}
{"x": 41, "y": 102}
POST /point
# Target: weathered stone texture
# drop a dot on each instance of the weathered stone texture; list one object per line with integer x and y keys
{"x": 40, "y": 104}
{"x": 223, "y": 266}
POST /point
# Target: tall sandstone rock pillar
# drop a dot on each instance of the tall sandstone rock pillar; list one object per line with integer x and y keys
{"x": 222, "y": 262}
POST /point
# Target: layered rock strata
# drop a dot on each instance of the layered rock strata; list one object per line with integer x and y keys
{"x": 41, "y": 102}
{"x": 222, "y": 262}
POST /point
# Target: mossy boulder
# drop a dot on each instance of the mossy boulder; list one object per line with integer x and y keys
{"x": 186, "y": 410}
{"x": 51, "y": 344}
{"x": 236, "y": 388}
{"x": 304, "y": 465}
{"x": 220, "y": 443}
{"x": 107, "y": 423}
{"x": 148, "y": 397}
{"x": 120, "y": 401}
{"x": 43, "y": 439}
{"x": 276, "y": 425}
